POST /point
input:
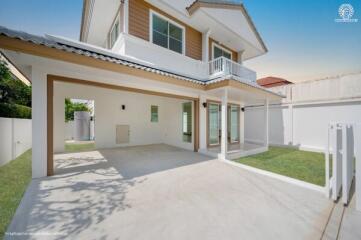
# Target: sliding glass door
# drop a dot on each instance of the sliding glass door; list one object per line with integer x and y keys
{"x": 233, "y": 123}
{"x": 213, "y": 123}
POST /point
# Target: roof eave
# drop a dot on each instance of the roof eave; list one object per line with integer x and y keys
{"x": 228, "y": 5}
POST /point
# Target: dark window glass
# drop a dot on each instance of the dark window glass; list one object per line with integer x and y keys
{"x": 160, "y": 39}
{"x": 175, "y": 32}
{"x": 160, "y": 25}
{"x": 218, "y": 52}
{"x": 167, "y": 35}
{"x": 175, "y": 45}
{"x": 154, "y": 113}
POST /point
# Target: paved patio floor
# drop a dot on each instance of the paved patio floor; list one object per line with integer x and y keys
{"x": 162, "y": 192}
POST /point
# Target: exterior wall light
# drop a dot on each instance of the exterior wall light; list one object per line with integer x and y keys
{"x": 204, "y": 104}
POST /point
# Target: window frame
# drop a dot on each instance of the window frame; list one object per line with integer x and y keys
{"x": 229, "y": 126}
{"x": 116, "y": 20}
{"x": 191, "y": 121}
{"x": 151, "y": 114}
{"x": 209, "y": 102}
{"x": 222, "y": 48}
{"x": 151, "y": 14}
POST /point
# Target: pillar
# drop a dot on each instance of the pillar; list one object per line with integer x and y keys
{"x": 39, "y": 123}
{"x": 224, "y": 131}
{"x": 205, "y": 46}
{"x": 266, "y": 122}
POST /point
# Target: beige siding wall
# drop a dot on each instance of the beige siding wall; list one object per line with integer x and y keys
{"x": 139, "y": 19}
{"x": 139, "y": 27}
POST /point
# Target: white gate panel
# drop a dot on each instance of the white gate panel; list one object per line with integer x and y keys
{"x": 336, "y": 139}
{"x": 357, "y": 137}
{"x": 348, "y": 168}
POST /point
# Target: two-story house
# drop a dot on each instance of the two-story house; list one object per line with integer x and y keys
{"x": 159, "y": 71}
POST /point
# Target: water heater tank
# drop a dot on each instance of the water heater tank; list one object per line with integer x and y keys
{"x": 81, "y": 126}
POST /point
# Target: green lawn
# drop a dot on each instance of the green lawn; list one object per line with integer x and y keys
{"x": 302, "y": 165}
{"x": 14, "y": 178}
{"x": 79, "y": 147}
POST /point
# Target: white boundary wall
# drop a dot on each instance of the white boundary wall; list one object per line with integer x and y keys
{"x": 15, "y": 138}
{"x": 302, "y": 119}
{"x": 302, "y": 126}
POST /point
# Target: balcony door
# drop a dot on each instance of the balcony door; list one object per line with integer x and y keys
{"x": 222, "y": 65}
{"x": 219, "y": 51}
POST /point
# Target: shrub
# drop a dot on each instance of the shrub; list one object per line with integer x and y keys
{"x": 14, "y": 111}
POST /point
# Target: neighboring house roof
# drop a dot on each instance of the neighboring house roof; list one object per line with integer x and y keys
{"x": 91, "y": 51}
{"x": 227, "y": 4}
{"x": 272, "y": 82}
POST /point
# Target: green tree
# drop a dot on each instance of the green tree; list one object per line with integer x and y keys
{"x": 15, "y": 96}
{"x": 71, "y": 107}
{"x": 12, "y": 90}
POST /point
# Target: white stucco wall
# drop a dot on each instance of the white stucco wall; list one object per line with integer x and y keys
{"x": 303, "y": 126}
{"x": 108, "y": 114}
{"x": 301, "y": 119}
{"x": 160, "y": 57}
{"x": 15, "y": 138}
{"x": 331, "y": 89}
{"x": 39, "y": 68}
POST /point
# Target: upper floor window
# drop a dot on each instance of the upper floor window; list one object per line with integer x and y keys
{"x": 167, "y": 33}
{"x": 114, "y": 32}
{"x": 219, "y": 51}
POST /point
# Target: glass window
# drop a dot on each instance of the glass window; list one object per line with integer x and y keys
{"x": 160, "y": 31}
{"x": 214, "y": 123}
{"x": 233, "y": 122}
{"x": 219, "y": 52}
{"x": 114, "y": 33}
{"x": 154, "y": 113}
{"x": 187, "y": 121}
{"x": 167, "y": 35}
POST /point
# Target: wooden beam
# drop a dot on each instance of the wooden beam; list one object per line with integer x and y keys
{"x": 50, "y": 123}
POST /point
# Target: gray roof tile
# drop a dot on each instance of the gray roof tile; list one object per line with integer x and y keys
{"x": 114, "y": 58}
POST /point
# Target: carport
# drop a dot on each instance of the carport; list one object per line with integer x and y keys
{"x": 124, "y": 107}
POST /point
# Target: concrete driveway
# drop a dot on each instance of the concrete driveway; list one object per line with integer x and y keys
{"x": 162, "y": 192}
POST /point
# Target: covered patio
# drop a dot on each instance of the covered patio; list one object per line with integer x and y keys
{"x": 164, "y": 192}
{"x": 225, "y": 118}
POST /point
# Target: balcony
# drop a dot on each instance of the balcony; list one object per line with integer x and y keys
{"x": 155, "y": 56}
{"x": 223, "y": 66}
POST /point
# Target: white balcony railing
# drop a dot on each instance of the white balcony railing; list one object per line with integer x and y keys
{"x": 224, "y": 66}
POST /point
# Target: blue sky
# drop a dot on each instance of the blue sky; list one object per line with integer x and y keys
{"x": 303, "y": 39}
